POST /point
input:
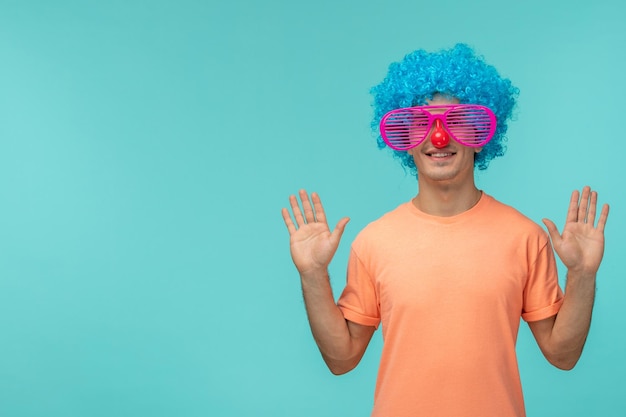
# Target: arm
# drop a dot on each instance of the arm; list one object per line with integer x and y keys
{"x": 342, "y": 343}
{"x": 581, "y": 246}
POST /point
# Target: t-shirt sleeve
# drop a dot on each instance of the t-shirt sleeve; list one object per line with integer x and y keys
{"x": 359, "y": 300}
{"x": 543, "y": 296}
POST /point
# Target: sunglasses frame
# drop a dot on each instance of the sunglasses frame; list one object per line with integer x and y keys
{"x": 393, "y": 126}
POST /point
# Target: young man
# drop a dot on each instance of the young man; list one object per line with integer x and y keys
{"x": 449, "y": 273}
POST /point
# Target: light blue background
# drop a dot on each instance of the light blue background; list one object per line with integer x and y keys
{"x": 146, "y": 149}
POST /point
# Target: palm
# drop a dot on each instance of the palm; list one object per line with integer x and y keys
{"x": 581, "y": 245}
{"x": 312, "y": 243}
{"x": 312, "y": 246}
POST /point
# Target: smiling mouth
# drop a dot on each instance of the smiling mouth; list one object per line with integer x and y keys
{"x": 440, "y": 154}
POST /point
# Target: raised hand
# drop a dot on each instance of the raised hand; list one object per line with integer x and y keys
{"x": 312, "y": 243}
{"x": 581, "y": 245}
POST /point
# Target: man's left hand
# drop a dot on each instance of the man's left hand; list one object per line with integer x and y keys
{"x": 581, "y": 246}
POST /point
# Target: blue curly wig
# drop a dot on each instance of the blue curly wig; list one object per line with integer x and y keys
{"x": 455, "y": 72}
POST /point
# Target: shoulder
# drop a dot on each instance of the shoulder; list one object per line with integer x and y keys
{"x": 508, "y": 217}
{"x": 387, "y": 224}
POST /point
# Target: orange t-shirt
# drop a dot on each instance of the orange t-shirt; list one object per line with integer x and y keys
{"x": 450, "y": 292}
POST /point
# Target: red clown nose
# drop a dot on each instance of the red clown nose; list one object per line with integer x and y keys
{"x": 440, "y": 137}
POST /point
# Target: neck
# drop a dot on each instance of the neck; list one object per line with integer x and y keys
{"x": 446, "y": 200}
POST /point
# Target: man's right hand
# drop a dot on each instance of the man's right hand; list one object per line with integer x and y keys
{"x": 341, "y": 342}
{"x": 312, "y": 243}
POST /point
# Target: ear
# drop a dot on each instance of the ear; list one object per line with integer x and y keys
{"x": 477, "y": 150}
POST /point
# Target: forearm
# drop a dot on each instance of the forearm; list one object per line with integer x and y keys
{"x": 328, "y": 325}
{"x": 572, "y": 323}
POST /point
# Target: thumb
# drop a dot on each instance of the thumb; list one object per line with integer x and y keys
{"x": 341, "y": 226}
{"x": 552, "y": 230}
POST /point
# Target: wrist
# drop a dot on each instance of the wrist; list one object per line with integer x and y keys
{"x": 581, "y": 273}
{"x": 314, "y": 275}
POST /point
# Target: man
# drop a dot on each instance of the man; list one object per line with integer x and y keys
{"x": 449, "y": 273}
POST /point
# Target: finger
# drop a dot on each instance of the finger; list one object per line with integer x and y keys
{"x": 288, "y": 222}
{"x": 583, "y": 205}
{"x": 320, "y": 215}
{"x": 572, "y": 210}
{"x": 309, "y": 215}
{"x": 553, "y": 231}
{"x": 297, "y": 214}
{"x": 604, "y": 215}
{"x": 591, "y": 210}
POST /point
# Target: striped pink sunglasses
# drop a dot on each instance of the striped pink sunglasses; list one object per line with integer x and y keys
{"x": 469, "y": 124}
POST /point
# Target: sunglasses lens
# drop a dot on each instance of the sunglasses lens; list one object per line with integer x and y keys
{"x": 471, "y": 125}
{"x": 404, "y": 129}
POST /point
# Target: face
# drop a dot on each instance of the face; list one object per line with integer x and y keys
{"x": 452, "y": 163}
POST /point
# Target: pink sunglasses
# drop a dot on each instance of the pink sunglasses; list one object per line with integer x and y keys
{"x": 469, "y": 124}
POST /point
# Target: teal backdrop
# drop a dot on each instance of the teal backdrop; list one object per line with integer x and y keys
{"x": 147, "y": 147}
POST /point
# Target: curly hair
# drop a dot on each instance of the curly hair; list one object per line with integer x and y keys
{"x": 457, "y": 72}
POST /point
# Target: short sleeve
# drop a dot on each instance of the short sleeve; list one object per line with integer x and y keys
{"x": 542, "y": 295}
{"x": 359, "y": 300}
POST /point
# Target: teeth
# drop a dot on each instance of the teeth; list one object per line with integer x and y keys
{"x": 440, "y": 155}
